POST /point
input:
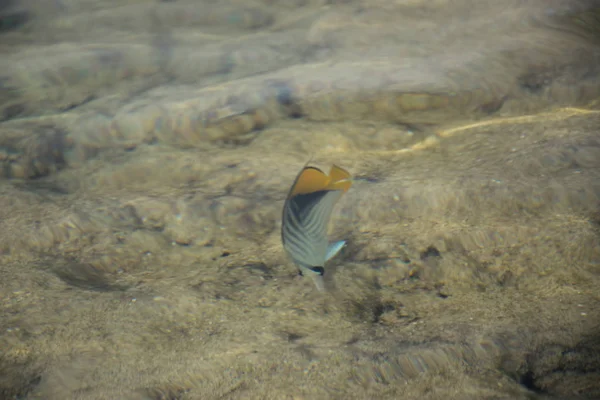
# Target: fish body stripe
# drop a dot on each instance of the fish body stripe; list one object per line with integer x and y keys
{"x": 304, "y": 226}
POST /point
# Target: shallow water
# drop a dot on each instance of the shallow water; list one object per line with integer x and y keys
{"x": 147, "y": 148}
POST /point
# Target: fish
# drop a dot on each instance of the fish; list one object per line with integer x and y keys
{"x": 305, "y": 218}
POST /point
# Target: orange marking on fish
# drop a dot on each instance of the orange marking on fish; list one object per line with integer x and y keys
{"x": 312, "y": 179}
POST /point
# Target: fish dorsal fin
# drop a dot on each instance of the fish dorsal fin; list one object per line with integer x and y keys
{"x": 309, "y": 180}
{"x": 312, "y": 179}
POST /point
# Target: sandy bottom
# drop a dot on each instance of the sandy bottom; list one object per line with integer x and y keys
{"x": 145, "y": 163}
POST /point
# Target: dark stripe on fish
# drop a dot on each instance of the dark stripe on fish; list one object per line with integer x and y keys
{"x": 304, "y": 227}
